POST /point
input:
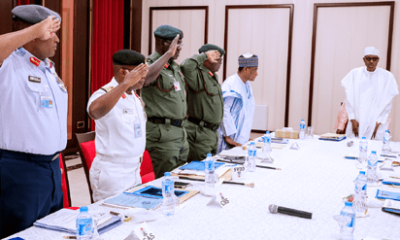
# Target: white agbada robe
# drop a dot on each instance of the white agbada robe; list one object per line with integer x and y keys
{"x": 239, "y": 107}
{"x": 369, "y": 98}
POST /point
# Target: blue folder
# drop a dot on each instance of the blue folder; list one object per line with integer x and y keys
{"x": 381, "y": 194}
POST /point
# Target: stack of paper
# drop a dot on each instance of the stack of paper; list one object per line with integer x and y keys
{"x": 332, "y": 137}
{"x": 64, "y": 220}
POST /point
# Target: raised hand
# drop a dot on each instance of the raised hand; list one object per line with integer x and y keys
{"x": 213, "y": 56}
{"x": 134, "y": 76}
{"x": 46, "y": 29}
{"x": 174, "y": 45}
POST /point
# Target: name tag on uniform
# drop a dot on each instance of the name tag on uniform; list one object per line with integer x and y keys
{"x": 138, "y": 130}
{"x": 46, "y": 102}
{"x": 34, "y": 79}
{"x": 177, "y": 86}
{"x": 128, "y": 111}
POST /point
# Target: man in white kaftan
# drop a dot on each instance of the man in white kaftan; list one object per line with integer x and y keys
{"x": 369, "y": 94}
{"x": 238, "y": 104}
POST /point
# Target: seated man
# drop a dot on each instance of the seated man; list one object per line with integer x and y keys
{"x": 238, "y": 104}
{"x": 369, "y": 95}
{"x": 120, "y": 127}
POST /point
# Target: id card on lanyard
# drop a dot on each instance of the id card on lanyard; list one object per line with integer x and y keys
{"x": 138, "y": 129}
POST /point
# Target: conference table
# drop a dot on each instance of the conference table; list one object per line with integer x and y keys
{"x": 315, "y": 178}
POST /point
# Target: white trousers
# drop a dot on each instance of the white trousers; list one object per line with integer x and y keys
{"x": 110, "y": 176}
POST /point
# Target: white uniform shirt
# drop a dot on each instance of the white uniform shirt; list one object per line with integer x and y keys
{"x": 122, "y": 132}
{"x": 26, "y": 126}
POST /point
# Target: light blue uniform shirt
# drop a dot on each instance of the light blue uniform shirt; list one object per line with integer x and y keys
{"x": 25, "y": 125}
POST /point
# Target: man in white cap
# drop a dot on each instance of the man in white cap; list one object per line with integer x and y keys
{"x": 369, "y": 94}
{"x": 238, "y": 104}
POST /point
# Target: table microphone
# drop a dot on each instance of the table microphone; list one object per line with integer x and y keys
{"x": 288, "y": 211}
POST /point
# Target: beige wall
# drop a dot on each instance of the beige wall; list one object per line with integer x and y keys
{"x": 301, "y": 48}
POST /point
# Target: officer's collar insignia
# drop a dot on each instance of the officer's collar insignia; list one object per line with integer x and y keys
{"x": 166, "y": 65}
{"x": 211, "y": 74}
{"x": 51, "y": 64}
{"x": 34, "y": 61}
{"x": 136, "y": 94}
{"x": 123, "y": 96}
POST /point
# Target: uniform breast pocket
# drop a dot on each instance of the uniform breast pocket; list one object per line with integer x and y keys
{"x": 213, "y": 90}
{"x": 33, "y": 93}
{"x": 165, "y": 81}
{"x": 128, "y": 116}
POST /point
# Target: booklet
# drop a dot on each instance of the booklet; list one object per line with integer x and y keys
{"x": 391, "y": 206}
{"x": 381, "y": 194}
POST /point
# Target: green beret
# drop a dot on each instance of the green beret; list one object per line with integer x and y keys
{"x": 167, "y": 32}
{"x": 128, "y": 57}
{"x": 33, "y": 13}
{"x": 207, "y": 47}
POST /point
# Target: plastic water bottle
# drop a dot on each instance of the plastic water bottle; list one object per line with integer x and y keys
{"x": 372, "y": 163}
{"x": 386, "y": 142}
{"x": 267, "y": 143}
{"x": 168, "y": 204}
{"x": 362, "y": 158}
{"x": 302, "y": 133}
{"x": 359, "y": 203}
{"x": 209, "y": 169}
{"x": 349, "y": 216}
{"x": 252, "y": 152}
{"x": 84, "y": 224}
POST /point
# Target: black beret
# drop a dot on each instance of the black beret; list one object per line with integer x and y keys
{"x": 208, "y": 47}
{"x": 167, "y": 32}
{"x": 33, "y": 13}
{"x": 128, "y": 57}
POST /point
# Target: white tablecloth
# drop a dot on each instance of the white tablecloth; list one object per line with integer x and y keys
{"x": 314, "y": 179}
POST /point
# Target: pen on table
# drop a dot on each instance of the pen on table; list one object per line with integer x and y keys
{"x": 251, "y": 185}
{"x": 69, "y": 237}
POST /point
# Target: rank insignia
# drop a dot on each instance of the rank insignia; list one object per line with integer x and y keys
{"x": 34, "y": 61}
{"x": 211, "y": 74}
{"x": 166, "y": 65}
{"x": 123, "y": 96}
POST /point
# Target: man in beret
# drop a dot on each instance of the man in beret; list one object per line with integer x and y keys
{"x": 166, "y": 106}
{"x": 239, "y": 104}
{"x": 120, "y": 127}
{"x": 33, "y": 120}
{"x": 204, "y": 98}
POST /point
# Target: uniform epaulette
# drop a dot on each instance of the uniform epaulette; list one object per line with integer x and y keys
{"x": 107, "y": 89}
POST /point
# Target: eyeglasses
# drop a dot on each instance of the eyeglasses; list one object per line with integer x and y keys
{"x": 374, "y": 59}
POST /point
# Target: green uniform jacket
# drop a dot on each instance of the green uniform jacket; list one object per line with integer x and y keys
{"x": 161, "y": 99}
{"x": 204, "y": 94}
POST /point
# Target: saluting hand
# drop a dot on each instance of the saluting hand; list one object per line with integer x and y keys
{"x": 134, "y": 76}
{"x": 213, "y": 56}
{"x": 47, "y": 28}
{"x": 355, "y": 124}
{"x": 174, "y": 45}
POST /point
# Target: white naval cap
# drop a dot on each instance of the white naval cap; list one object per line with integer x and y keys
{"x": 371, "y": 51}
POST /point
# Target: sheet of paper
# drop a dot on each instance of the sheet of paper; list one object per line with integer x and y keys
{"x": 392, "y": 204}
{"x": 64, "y": 218}
{"x": 131, "y": 200}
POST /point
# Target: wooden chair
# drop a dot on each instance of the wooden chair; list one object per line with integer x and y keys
{"x": 87, "y": 151}
{"x": 65, "y": 184}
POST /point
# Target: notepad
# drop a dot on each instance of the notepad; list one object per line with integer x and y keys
{"x": 135, "y": 201}
{"x": 199, "y": 166}
{"x": 64, "y": 220}
{"x": 381, "y": 194}
{"x": 155, "y": 192}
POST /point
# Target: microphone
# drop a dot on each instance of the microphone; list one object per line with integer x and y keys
{"x": 288, "y": 211}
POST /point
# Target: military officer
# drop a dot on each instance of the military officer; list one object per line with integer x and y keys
{"x": 204, "y": 98}
{"x": 120, "y": 127}
{"x": 33, "y": 120}
{"x": 166, "y": 106}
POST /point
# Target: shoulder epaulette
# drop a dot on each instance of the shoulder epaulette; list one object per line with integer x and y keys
{"x": 107, "y": 89}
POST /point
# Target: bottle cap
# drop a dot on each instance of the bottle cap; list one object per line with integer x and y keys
{"x": 83, "y": 209}
{"x": 373, "y": 152}
{"x": 252, "y": 143}
{"x": 167, "y": 174}
{"x": 362, "y": 172}
{"x": 209, "y": 155}
{"x": 363, "y": 138}
{"x": 349, "y": 204}
{"x": 302, "y": 119}
{"x": 387, "y": 131}
{"x": 267, "y": 132}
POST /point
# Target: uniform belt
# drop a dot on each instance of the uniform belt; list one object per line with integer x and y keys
{"x": 208, "y": 125}
{"x": 28, "y": 156}
{"x": 174, "y": 122}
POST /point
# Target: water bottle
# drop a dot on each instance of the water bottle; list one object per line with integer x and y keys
{"x": 371, "y": 172}
{"x": 267, "y": 143}
{"x": 302, "y": 129}
{"x": 359, "y": 202}
{"x": 84, "y": 225}
{"x": 209, "y": 169}
{"x": 386, "y": 142}
{"x": 349, "y": 215}
{"x": 168, "y": 203}
{"x": 363, "y": 150}
{"x": 252, "y": 152}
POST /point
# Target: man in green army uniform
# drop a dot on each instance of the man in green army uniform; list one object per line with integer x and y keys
{"x": 205, "y": 103}
{"x": 166, "y": 106}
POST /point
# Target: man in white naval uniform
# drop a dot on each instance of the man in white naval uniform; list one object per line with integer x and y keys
{"x": 120, "y": 127}
{"x": 369, "y": 94}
